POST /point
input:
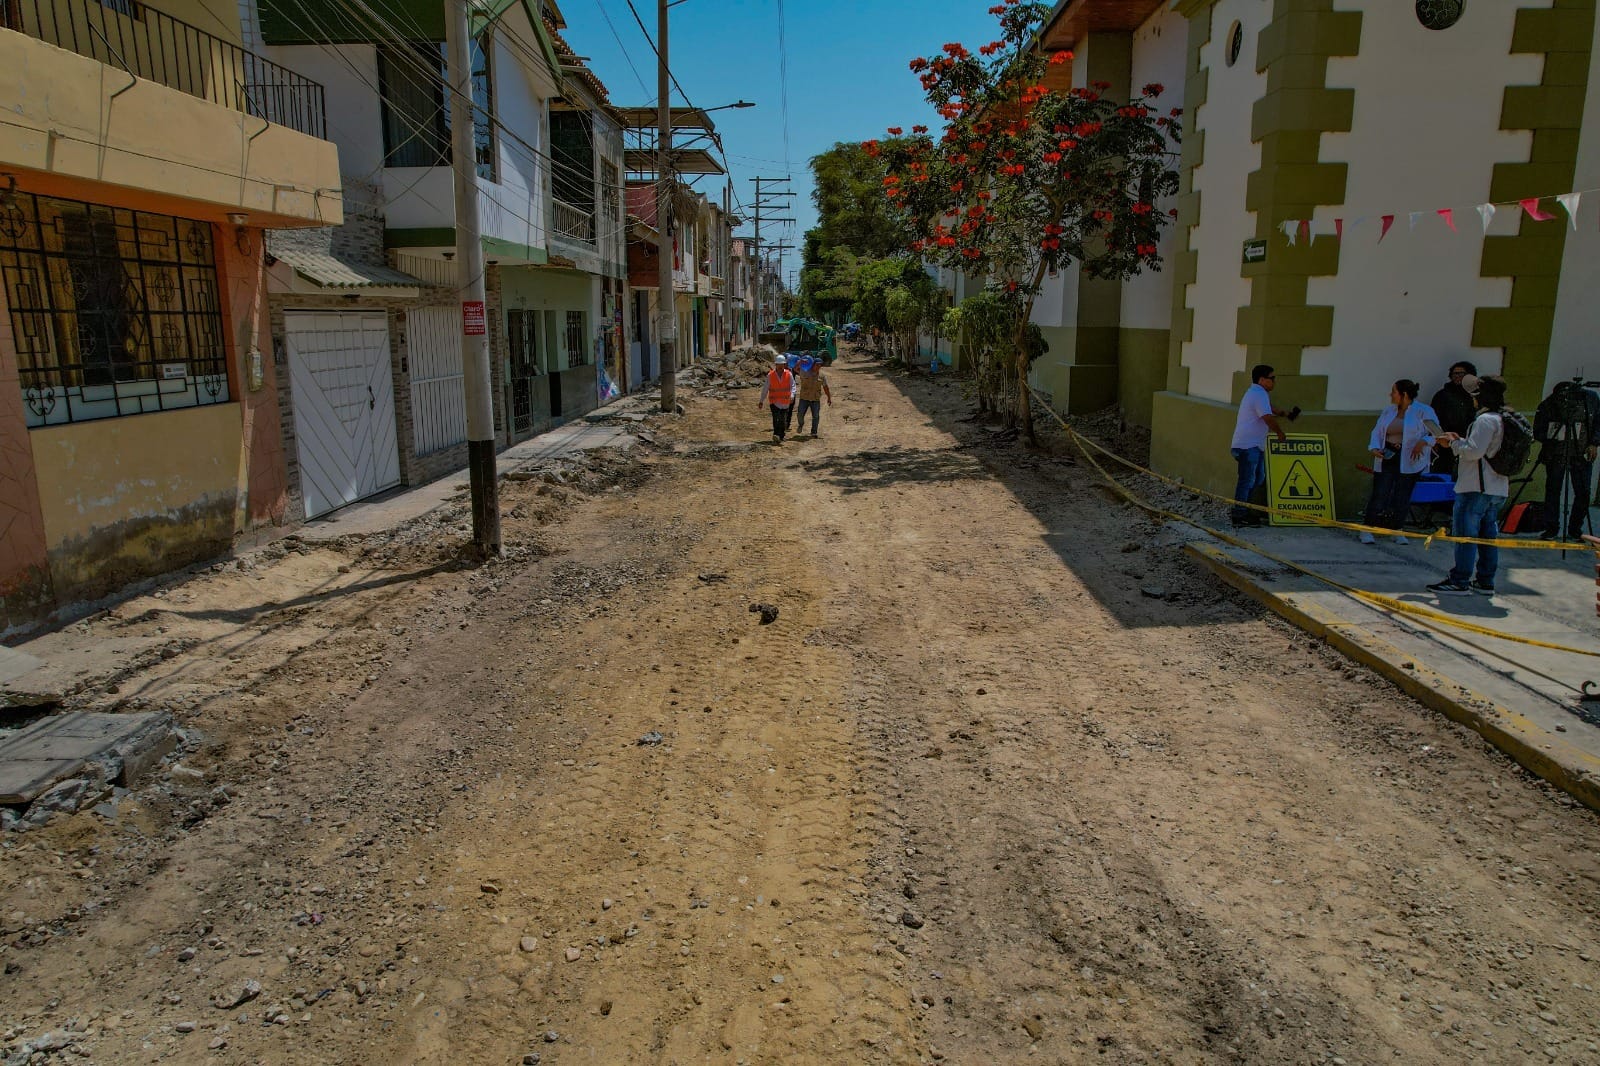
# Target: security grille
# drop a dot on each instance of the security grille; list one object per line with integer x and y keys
{"x": 113, "y": 312}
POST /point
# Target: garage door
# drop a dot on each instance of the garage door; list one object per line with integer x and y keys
{"x": 343, "y": 392}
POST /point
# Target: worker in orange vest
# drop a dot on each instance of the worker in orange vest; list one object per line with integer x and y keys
{"x": 778, "y": 394}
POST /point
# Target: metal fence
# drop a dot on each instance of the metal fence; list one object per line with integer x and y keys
{"x": 573, "y": 223}
{"x": 153, "y": 45}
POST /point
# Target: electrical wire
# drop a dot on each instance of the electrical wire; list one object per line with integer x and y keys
{"x": 648, "y": 95}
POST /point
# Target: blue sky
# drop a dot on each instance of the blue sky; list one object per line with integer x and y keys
{"x": 847, "y": 74}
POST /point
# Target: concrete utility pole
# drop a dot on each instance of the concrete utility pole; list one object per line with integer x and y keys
{"x": 474, "y": 313}
{"x": 666, "y": 182}
{"x": 763, "y": 196}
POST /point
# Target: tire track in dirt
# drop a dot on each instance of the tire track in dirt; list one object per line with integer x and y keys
{"x": 1148, "y": 828}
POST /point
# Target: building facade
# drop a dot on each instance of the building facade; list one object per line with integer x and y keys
{"x": 1371, "y": 132}
{"x": 139, "y": 422}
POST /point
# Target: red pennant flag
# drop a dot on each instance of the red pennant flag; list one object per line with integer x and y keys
{"x": 1305, "y": 230}
{"x": 1388, "y": 220}
{"x": 1338, "y": 228}
{"x": 1449, "y": 216}
{"x": 1532, "y": 207}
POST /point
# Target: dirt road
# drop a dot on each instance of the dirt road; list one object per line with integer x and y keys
{"x": 1005, "y": 779}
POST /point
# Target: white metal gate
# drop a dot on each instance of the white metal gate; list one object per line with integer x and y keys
{"x": 438, "y": 387}
{"x": 340, "y": 380}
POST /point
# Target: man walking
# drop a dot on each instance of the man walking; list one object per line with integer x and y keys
{"x": 1453, "y": 405}
{"x": 813, "y": 387}
{"x": 1480, "y": 490}
{"x": 1257, "y": 417}
{"x": 778, "y": 394}
{"x": 1567, "y": 427}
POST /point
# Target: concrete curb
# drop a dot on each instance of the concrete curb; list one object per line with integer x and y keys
{"x": 1535, "y": 748}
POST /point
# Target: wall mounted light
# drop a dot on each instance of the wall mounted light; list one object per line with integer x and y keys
{"x": 241, "y": 235}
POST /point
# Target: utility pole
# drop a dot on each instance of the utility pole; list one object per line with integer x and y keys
{"x": 666, "y": 183}
{"x": 767, "y": 199}
{"x": 474, "y": 314}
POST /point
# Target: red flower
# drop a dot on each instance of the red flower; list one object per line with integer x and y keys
{"x": 1052, "y": 157}
{"x": 990, "y": 49}
{"x": 1142, "y": 209}
{"x": 1059, "y": 58}
{"x": 919, "y": 129}
{"x": 947, "y": 242}
{"x": 895, "y": 131}
{"x": 918, "y": 65}
{"x": 1101, "y": 85}
{"x": 1155, "y": 88}
{"x": 971, "y": 253}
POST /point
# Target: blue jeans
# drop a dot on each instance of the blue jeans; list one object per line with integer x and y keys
{"x": 1477, "y": 514}
{"x": 1391, "y": 495}
{"x": 815, "y": 407}
{"x": 1252, "y": 472}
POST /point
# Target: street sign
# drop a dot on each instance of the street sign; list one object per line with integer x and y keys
{"x": 1299, "y": 478}
{"x": 1255, "y": 251}
{"x": 474, "y": 321}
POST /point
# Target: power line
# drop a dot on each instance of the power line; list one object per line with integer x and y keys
{"x": 624, "y": 50}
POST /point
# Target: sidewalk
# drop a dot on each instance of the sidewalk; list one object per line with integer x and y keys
{"x": 614, "y": 425}
{"x": 50, "y": 665}
{"x": 1523, "y": 699}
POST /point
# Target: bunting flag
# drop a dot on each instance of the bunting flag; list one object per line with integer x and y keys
{"x": 1305, "y": 230}
{"x": 1569, "y": 202}
{"x": 1415, "y": 216}
{"x": 1531, "y": 206}
{"x": 1289, "y": 228}
{"x": 1388, "y": 220}
{"x": 1486, "y": 212}
{"x": 1449, "y": 216}
{"x": 1338, "y": 228}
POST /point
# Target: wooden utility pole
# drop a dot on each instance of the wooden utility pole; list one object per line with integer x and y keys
{"x": 666, "y": 183}
{"x": 474, "y": 304}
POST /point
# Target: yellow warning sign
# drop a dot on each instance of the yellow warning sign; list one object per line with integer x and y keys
{"x": 1299, "y": 478}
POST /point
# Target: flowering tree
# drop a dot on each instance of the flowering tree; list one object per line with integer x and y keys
{"x": 1025, "y": 180}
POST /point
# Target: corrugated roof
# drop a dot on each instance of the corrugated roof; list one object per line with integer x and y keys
{"x": 332, "y": 272}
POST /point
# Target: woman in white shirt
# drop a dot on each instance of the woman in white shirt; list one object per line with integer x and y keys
{"x": 1401, "y": 448}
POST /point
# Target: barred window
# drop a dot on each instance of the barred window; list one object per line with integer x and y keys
{"x": 113, "y": 312}
{"x": 577, "y": 348}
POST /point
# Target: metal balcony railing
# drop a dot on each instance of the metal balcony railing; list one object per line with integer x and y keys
{"x": 572, "y": 223}
{"x": 151, "y": 44}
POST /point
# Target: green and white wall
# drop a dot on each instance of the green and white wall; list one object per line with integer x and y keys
{"x": 1352, "y": 109}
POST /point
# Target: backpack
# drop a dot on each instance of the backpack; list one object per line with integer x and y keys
{"x": 1516, "y": 444}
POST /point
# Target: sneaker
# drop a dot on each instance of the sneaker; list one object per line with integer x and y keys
{"x": 1450, "y": 588}
{"x": 813, "y": 434}
{"x": 1402, "y": 540}
{"x": 1368, "y": 538}
{"x": 1482, "y": 588}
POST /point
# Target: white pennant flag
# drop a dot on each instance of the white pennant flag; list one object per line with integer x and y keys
{"x": 1414, "y": 216}
{"x": 1570, "y": 202}
{"x": 1486, "y": 212}
{"x": 1290, "y": 228}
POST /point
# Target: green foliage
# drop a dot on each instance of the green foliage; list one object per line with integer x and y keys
{"x": 1025, "y": 180}
{"x": 851, "y": 211}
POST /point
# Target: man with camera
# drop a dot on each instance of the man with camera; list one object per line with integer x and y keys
{"x": 1567, "y": 427}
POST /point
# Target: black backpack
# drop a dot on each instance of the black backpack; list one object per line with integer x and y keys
{"x": 1516, "y": 444}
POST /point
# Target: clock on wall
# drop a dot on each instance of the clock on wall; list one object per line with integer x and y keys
{"x": 1439, "y": 14}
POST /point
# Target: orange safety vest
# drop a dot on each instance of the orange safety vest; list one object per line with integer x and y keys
{"x": 780, "y": 388}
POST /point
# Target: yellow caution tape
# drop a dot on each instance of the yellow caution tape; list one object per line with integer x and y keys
{"x": 1300, "y": 518}
{"x": 1424, "y": 615}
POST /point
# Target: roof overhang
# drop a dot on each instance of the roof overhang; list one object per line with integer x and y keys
{"x": 1072, "y": 20}
{"x": 684, "y": 161}
{"x": 683, "y": 118}
{"x": 320, "y": 273}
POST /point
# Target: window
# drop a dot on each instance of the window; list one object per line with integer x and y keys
{"x": 416, "y": 108}
{"x": 1439, "y": 14}
{"x": 612, "y": 224}
{"x": 577, "y": 353}
{"x": 1235, "y": 44}
{"x": 572, "y": 173}
{"x": 114, "y": 312}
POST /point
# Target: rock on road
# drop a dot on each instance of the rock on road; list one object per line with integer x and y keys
{"x": 972, "y": 796}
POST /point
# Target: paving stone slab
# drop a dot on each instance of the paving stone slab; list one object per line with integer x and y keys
{"x": 125, "y": 745}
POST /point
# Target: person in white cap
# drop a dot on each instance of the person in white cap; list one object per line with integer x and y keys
{"x": 778, "y": 394}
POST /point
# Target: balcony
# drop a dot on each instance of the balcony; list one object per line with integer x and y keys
{"x": 152, "y": 45}
{"x": 719, "y": 286}
{"x": 572, "y": 223}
